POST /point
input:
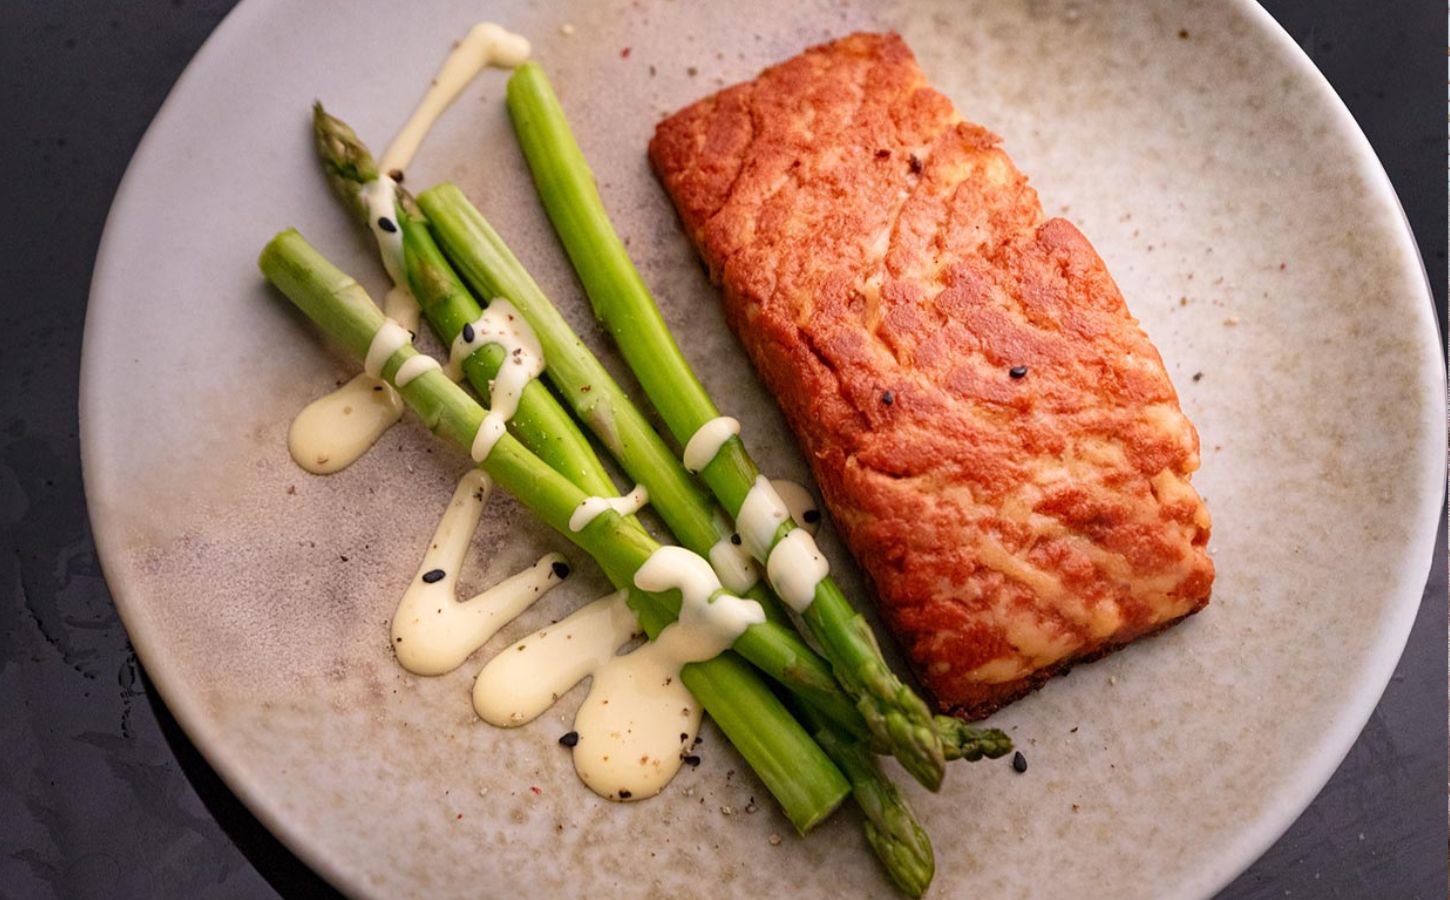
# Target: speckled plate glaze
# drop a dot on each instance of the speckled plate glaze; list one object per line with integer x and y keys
{"x": 1236, "y": 202}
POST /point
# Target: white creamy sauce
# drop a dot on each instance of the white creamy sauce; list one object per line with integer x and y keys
{"x": 502, "y": 324}
{"x": 710, "y": 619}
{"x": 707, "y": 440}
{"x": 486, "y": 44}
{"x": 387, "y": 340}
{"x": 638, "y": 720}
{"x": 802, "y": 506}
{"x": 490, "y": 430}
{"x": 328, "y": 431}
{"x": 401, "y": 306}
{"x": 636, "y": 723}
{"x": 525, "y": 679}
{"x": 329, "y": 426}
{"x": 592, "y": 507}
{"x": 523, "y": 361}
{"x": 381, "y": 197}
{"x": 433, "y": 632}
{"x": 734, "y": 566}
{"x": 796, "y": 566}
{"x": 760, "y": 517}
{"x": 334, "y": 430}
{"x": 413, "y": 367}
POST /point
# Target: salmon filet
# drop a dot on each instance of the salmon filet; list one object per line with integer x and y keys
{"x": 994, "y": 435}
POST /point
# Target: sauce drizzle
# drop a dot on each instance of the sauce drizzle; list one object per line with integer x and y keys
{"x": 328, "y": 430}
{"x": 486, "y": 44}
{"x": 593, "y": 507}
{"x": 705, "y": 443}
{"x": 334, "y": 430}
{"x": 523, "y": 361}
{"x": 794, "y": 565}
{"x": 639, "y": 720}
{"x": 434, "y": 632}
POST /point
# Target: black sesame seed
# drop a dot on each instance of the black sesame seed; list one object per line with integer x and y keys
{"x": 915, "y": 163}
{"x": 691, "y": 759}
{"x": 468, "y": 334}
{"x": 625, "y": 795}
{"x": 882, "y": 153}
{"x": 888, "y": 398}
{"x": 735, "y": 539}
{"x": 1017, "y": 371}
{"x": 811, "y": 516}
{"x": 387, "y": 225}
{"x": 561, "y": 570}
{"x": 570, "y": 739}
{"x": 1019, "y": 762}
{"x": 434, "y": 575}
{"x": 1197, "y": 376}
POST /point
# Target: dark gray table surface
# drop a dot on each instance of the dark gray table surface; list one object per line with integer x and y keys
{"x": 102, "y": 795}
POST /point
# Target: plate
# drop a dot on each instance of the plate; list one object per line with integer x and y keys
{"x": 1238, "y": 205}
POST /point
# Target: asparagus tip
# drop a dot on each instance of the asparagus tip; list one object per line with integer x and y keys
{"x": 346, "y": 160}
{"x": 971, "y": 742}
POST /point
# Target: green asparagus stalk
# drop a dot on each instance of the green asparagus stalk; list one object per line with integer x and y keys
{"x": 897, "y": 717}
{"x": 542, "y": 426}
{"x": 791, "y": 765}
{"x": 492, "y": 270}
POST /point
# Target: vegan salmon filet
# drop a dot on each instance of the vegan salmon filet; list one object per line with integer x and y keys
{"x": 993, "y": 434}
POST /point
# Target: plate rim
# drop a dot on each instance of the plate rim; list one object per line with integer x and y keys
{"x": 1243, "y": 851}
{"x": 1253, "y": 842}
{"x": 183, "y": 705}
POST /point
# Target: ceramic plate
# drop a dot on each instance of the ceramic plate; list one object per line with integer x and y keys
{"x": 1236, "y": 202}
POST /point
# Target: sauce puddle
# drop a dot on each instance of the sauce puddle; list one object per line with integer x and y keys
{"x": 638, "y": 721}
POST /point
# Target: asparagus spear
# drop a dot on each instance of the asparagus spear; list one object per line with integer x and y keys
{"x": 971, "y": 742}
{"x": 542, "y": 426}
{"x": 896, "y": 715}
{"x": 892, "y": 830}
{"x": 792, "y": 766}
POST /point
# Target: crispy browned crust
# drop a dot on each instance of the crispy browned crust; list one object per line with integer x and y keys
{"x": 887, "y": 268}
